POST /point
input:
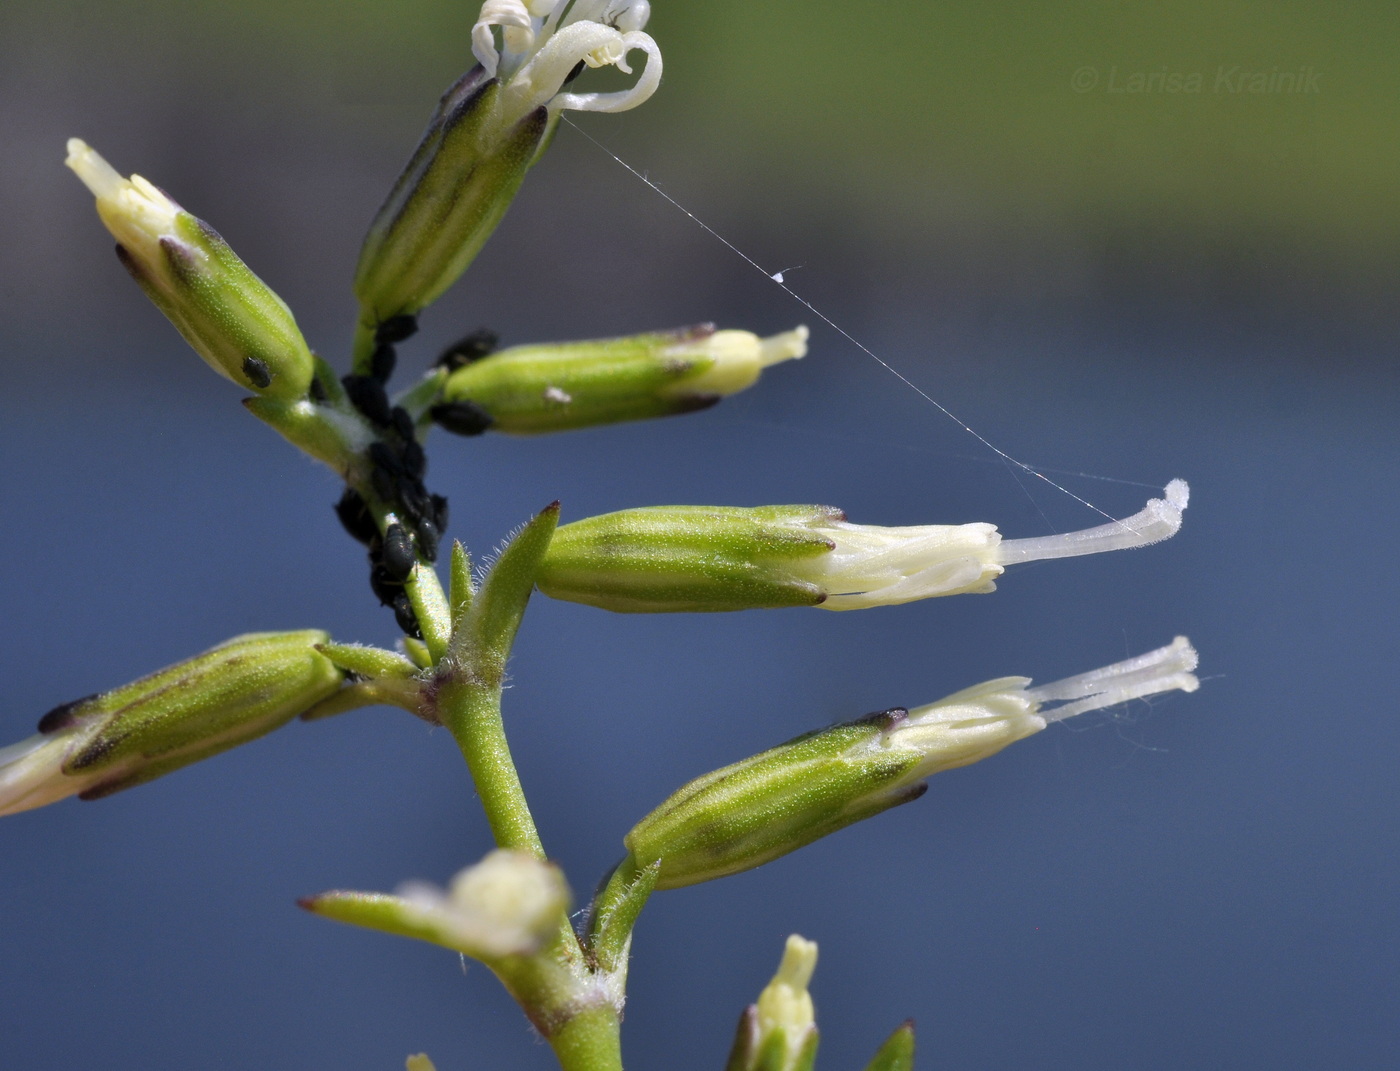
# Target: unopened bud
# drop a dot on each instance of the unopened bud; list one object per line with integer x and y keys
{"x": 672, "y": 558}
{"x": 688, "y": 558}
{"x": 541, "y": 388}
{"x": 509, "y": 904}
{"x": 766, "y": 806}
{"x": 232, "y": 319}
{"x": 779, "y": 1032}
{"x": 226, "y": 696}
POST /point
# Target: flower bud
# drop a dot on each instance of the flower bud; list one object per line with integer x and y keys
{"x": 671, "y": 558}
{"x": 509, "y": 904}
{"x": 226, "y": 696}
{"x": 232, "y": 319}
{"x": 488, "y": 129}
{"x": 766, "y": 806}
{"x": 449, "y": 199}
{"x": 541, "y": 388}
{"x": 688, "y": 558}
{"x": 786, "y": 1017}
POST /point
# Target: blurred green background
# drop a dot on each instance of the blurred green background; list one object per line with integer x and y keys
{"x": 986, "y": 129}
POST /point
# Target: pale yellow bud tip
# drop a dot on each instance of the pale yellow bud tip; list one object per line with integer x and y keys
{"x": 419, "y": 1063}
{"x": 97, "y": 174}
{"x": 788, "y": 346}
{"x": 785, "y": 1002}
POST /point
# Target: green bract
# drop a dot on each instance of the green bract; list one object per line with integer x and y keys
{"x": 230, "y": 316}
{"x": 568, "y": 385}
{"x": 687, "y": 558}
{"x": 226, "y": 696}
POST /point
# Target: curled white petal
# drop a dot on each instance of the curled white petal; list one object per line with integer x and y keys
{"x": 517, "y": 31}
{"x": 625, "y": 99}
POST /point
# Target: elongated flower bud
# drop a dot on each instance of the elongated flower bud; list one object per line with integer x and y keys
{"x": 691, "y": 558}
{"x": 766, "y": 806}
{"x": 509, "y": 904}
{"x": 488, "y": 129}
{"x": 232, "y": 319}
{"x": 580, "y": 384}
{"x": 226, "y": 696}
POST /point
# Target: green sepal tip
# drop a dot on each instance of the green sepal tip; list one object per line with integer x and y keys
{"x": 897, "y": 1053}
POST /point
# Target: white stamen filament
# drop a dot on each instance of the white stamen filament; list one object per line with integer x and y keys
{"x": 1163, "y": 670}
{"x": 1159, "y": 519}
{"x": 979, "y": 721}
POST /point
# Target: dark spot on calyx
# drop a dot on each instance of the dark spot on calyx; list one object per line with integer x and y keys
{"x": 257, "y": 372}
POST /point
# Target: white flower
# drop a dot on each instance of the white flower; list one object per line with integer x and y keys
{"x": 541, "y": 43}
{"x": 31, "y": 773}
{"x": 874, "y": 566}
{"x": 979, "y": 721}
{"x": 506, "y": 905}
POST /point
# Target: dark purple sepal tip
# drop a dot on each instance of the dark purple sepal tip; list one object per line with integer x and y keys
{"x": 63, "y": 716}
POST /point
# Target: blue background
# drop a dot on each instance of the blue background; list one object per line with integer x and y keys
{"x": 1200, "y": 881}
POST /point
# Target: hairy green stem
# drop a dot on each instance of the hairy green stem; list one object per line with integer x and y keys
{"x": 472, "y": 713}
{"x": 590, "y": 1041}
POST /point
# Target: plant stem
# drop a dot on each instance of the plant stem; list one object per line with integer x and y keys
{"x": 472, "y": 713}
{"x": 590, "y": 1041}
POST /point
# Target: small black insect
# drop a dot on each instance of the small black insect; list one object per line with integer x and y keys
{"x": 385, "y": 484}
{"x": 428, "y": 539}
{"x": 257, "y": 372}
{"x": 368, "y": 396}
{"x": 415, "y": 461}
{"x": 386, "y": 589}
{"x": 403, "y": 614}
{"x": 403, "y": 423}
{"x": 355, "y": 516}
{"x": 381, "y": 362}
{"x": 397, "y": 553}
{"x": 413, "y": 497}
{"x": 384, "y": 458}
{"x": 461, "y": 418}
{"x": 439, "y": 504}
{"x": 480, "y": 343}
{"x": 396, "y": 329}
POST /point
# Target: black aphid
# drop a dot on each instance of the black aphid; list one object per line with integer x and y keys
{"x": 356, "y": 517}
{"x": 461, "y": 418}
{"x": 397, "y": 552}
{"x": 257, "y": 372}
{"x": 368, "y": 396}
{"x": 396, "y": 329}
